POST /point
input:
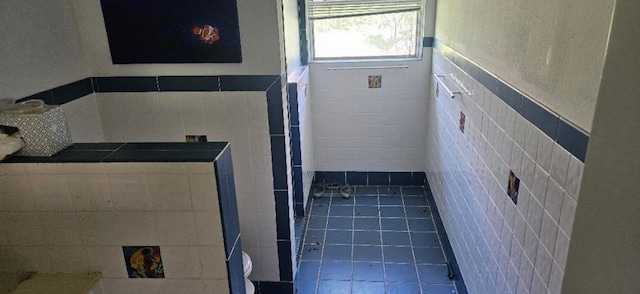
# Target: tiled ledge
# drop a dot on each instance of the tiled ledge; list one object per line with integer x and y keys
{"x": 131, "y": 152}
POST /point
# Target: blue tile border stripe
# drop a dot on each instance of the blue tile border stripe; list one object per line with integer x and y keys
{"x": 427, "y": 42}
{"x": 570, "y": 137}
{"x": 267, "y": 287}
{"x": 446, "y": 244}
{"x": 409, "y": 178}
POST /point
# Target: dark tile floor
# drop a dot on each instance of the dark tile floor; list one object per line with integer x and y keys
{"x": 382, "y": 240}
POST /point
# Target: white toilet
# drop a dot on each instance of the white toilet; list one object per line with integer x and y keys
{"x": 247, "y": 265}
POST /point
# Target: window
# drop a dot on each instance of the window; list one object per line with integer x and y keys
{"x": 364, "y": 29}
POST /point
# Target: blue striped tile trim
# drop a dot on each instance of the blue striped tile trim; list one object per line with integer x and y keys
{"x": 570, "y": 137}
{"x": 298, "y": 191}
{"x": 286, "y": 265}
{"x": 266, "y": 287}
{"x": 427, "y": 42}
{"x": 227, "y": 200}
{"x": 446, "y": 244}
{"x": 126, "y": 84}
{"x": 247, "y": 82}
{"x": 372, "y": 178}
{"x": 279, "y": 164}
{"x": 72, "y": 91}
{"x": 189, "y": 83}
{"x": 65, "y": 93}
{"x": 235, "y": 271}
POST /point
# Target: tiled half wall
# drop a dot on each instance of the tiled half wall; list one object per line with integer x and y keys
{"x": 250, "y": 112}
{"x": 75, "y": 217}
{"x": 502, "y": 247}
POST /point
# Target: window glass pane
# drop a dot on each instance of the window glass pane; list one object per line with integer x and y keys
{"x": 391, "y": 34}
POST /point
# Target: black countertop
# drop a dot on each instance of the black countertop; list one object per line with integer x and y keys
{"x": 130, "y": 152}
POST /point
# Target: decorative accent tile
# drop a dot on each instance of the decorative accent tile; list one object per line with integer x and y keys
{"x": 143, "y": 262}
{"x": 196, "y": 138}
{"x": 513, "y": 187}
{"x": 375, "y": 82}
{"x": 462, "y": 121}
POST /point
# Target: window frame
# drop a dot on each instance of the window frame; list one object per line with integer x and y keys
{"x": 308, "y": 45}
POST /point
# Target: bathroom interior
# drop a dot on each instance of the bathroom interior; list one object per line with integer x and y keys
{"x": 506, "y": 143}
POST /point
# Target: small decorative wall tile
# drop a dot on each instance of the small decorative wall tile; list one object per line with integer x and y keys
{"x": 462, "y": 121}
{"x": 196, "y": 138}
{"x": 513, "y": 187}
{"x": 375, "y": 81}
{"x": 143, "y": 262}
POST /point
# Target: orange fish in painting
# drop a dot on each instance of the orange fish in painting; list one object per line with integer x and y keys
{"x": 207, "y": 34}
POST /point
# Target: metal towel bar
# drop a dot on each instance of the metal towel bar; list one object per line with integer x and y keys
{"x": 440, "y": 80}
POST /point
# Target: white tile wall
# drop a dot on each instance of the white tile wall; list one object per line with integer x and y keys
{"x": 238, "y": 117}
{"x": 83, "y": 118}
{"x": 87, "y": 230}
{"x": 500, "y": 247}
{"x": 360, "y": 129}
{"x": 306, "y": 133}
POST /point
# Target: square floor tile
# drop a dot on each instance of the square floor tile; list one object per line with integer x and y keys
{"x": 324, "y": 200}
{"x": 390, "y": 201}
{"x": 311, "y": 252}
{"x": 394, "y": 224}
{"x": 366, "y": 200}
{"x": 368, "y": 271}
{"x": 395, "y": 238}
{"x": 341, "y": 211}
{"x": 421, "y": 225}
{"x": 338, "y": 237}
{"x": 366, "y": 211}
{"x": 368, "y": 288}
{"x": 314, "y": 237}
{"x": 368, "y": 224}
{"x": 438, "y": 289}
{"x": 413, "y": 191}
{"x": 338, "y": 200}
{"x": 391, "y": 211}
{"x": 389, "y": 190}
{"x": 415, "y": 201}
{"x": 334, "y": 287}
{"x": 434, "y": 274}
{"x": 400, "y": 273}
{"x": 367, "y": 253}
{"x": 366, "y": 238}
{"x": 335, "y": 270}
{"x": 306, "y": 287}
{"x": 308, "y": 270}
{"x": 319, "y": 210}
{"x": 340, "y": 223}
{"x": 431, "y": 255}
{"x": 425, "y": 239}
{"x": 397, "y": 254}
{"x": 418, "y": 212}
{"x": 317, "y": 222}
{"x": 366, "y": 190}
{"x": 336, "y": 252}
{"x": 403, "y": 289}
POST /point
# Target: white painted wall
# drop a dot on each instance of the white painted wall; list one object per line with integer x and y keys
{"x": 259, "y": 34}
{"x": 551, "y": 50}
{"x": 291, "y": 34}
{"x": 500, "y": 247}
{"x": 604, "y": 256}
{"x": 39, "y": 47}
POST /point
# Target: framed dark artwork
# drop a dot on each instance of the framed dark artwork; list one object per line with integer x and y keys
{"x": 169, "y": 31}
